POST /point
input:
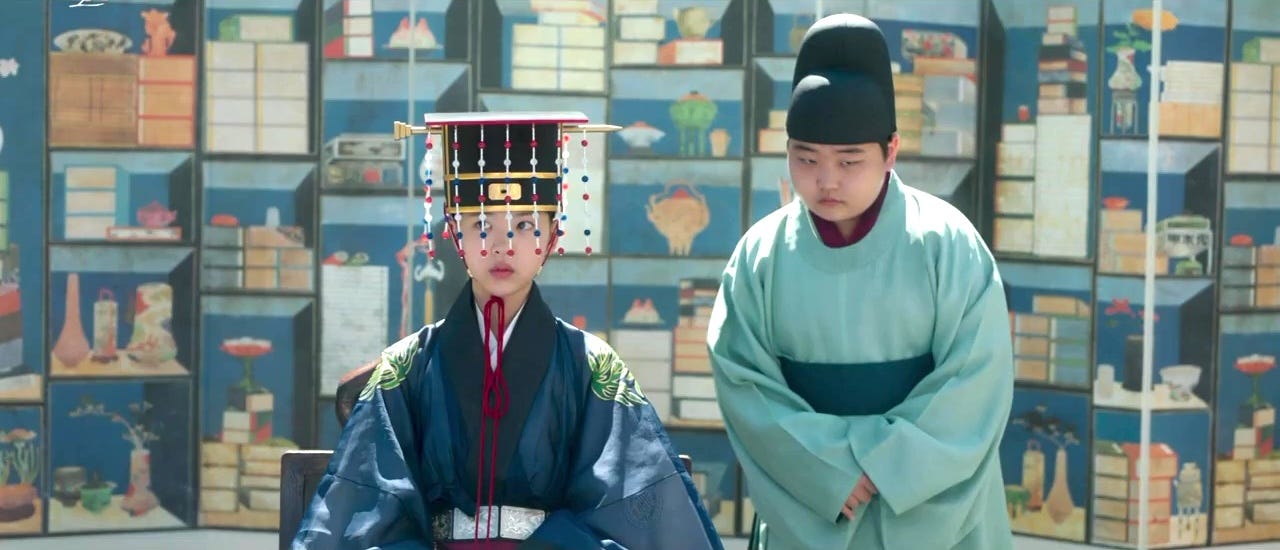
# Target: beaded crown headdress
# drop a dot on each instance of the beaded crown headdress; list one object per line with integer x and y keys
{"x": 503, "y": 163}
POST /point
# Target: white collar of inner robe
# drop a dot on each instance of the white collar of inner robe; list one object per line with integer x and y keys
{"x": 493, "y": 344}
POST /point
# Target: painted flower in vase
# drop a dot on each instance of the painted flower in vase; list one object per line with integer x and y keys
{"x": 19, "y": 457}
{"x": 1256, "y": 413}
{"x": 138, "y": 499}
{"x": 1126, "y": 43}
{"x": 246, "y": 350}
{"x": 1256, "y": 365}
{"x": 1121, "y": 309}
{"x": 247, "y": 395}
{"x": 1062, "y": 434}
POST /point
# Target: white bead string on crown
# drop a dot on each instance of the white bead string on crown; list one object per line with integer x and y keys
{"x": 425, "y": 173}
{"x": 562, "y": 168}
{"x": 506, "y": 166}
{"x": 484, "y": 218}
{"x": 533, "y": 180}
{"x": 586, "y": 196}
{"x": 457, "y": 199}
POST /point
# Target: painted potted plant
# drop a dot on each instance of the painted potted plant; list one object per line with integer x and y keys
{"x": 1126, "y": 42}
{"x": 138, "y": 498}
{"x": 1061, "y": 434}
{"x": 18, "y": 455}
{"x": 1123, "y": 318}
{"x": 1256, "y": 412}
{"x": 95, "y": 495}
{"x": 241, "y": 394}
{"x": 693, "y": 114}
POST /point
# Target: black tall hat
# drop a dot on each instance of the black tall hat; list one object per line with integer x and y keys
{"x": 842, "y": 89}
{"x": 498, "y": 163}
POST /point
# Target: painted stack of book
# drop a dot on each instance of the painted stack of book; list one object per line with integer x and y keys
{"x": 348, "y": 29}
{"x": 648, "y": 354}
{"x": 1262, "y": 490}
{"x": 692, "y": 387}
{"x": 256, "y": 257}
{"x": 952, "y": 104}
{"x": 908, "y": 101}
{"x": 1015, "y": 189}
{"x": 641, "y": 30}
{"x": 563, "y": 50}
{"x": 1247, "y": 491}
{"x": 166, "y": 101}
{"x": 1051, "y": 344}
{"x": 1191, "y": 101}
{"x": 247, "y": 418}
{"x": 1063, "y": 66}
{"x": 1249, "y": 139}
{"x": 1251, "y": 275}
{"x": 240, "y": 475}
{"x": 1164, "y": 468}
{"x": 1267, "y": 273}
{"x": 96, "y": 199}
{"x": 1111, "y": 506}
{"x": 1043, "y": 186}
{"x": 1116, "y": 504}
{"x": 1253, "y": 132}
{"x": 1262, "y": 425}
{"x": 773, "y": 139}
{"x": 1122, "y": 240}
{"x": 240, "y": 484}
{"x": 257, "y": 96}
{"x": 1064, "y": 184}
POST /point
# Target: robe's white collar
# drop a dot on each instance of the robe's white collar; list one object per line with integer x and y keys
{"x": 493, "y": 344}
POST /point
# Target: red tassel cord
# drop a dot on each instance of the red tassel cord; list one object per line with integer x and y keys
{"x": 495, "y": 401}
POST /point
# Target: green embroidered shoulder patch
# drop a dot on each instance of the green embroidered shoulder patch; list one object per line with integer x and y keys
{"x": 611, "y": 380}
{"x": 393, "y": 366}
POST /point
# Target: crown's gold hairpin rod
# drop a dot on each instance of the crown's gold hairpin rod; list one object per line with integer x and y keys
{"x": 403, "y": 130}
{"x": 591, "y": 128}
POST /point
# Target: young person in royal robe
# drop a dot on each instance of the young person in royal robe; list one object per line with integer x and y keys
{"x": 860, "y": 339}
{"x": 501, "y": 426}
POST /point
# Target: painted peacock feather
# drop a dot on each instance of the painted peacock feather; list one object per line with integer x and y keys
{"x": 611, "y": 380}
{"x": 392, "y": 367}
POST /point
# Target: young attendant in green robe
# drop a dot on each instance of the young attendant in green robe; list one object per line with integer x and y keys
{"x": 860, "y": 339}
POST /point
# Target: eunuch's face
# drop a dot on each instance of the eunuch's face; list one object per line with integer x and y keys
{"x": 839, "y": 182}
{"x": 511, "y": 262}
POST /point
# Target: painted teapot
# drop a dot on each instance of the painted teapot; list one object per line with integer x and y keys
{"x": 692, "y": 22}
{"x": 679, "y": 214}
{"x": 156, "y": 215}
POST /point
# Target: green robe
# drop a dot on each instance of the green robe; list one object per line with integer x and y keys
{"x": 890, "y": 357}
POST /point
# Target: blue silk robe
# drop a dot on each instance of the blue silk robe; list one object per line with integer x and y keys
{"x": 579, "y": 442}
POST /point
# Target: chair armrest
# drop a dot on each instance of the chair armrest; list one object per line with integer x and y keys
{"x": 349, "y": 388}
{"x": 300, "y": 472}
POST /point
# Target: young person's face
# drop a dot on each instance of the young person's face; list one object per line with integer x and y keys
{"x": 839, "y": 182}
{"x": 500, "y": 273}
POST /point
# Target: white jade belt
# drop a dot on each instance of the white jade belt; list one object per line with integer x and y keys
{"x": 511, "y": 522}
